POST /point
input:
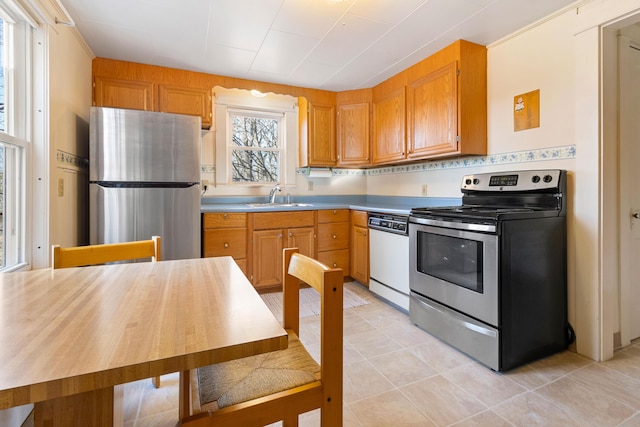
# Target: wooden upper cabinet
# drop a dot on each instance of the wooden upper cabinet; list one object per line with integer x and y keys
{"x": 445, "y": 110}
{"x": 389, "y": 143}
{"x": 184, "y": 100}
{"x": 317, "y": 127}
{"x": 353, "y": 134}
{"x": 432, "y": 113}
{"x": 120, "y": 93}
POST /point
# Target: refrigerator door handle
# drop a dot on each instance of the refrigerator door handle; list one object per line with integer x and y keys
{"x": 118, "y": 184}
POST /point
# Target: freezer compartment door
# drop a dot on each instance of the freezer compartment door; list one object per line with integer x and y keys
{"x": 143, "y": 146}
{"x": 127, "y": 214}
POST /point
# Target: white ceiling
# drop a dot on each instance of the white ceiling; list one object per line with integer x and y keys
{"x": 324, "y": 44}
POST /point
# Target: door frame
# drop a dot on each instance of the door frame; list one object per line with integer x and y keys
{"x": 616, "y": 308}
{"x": 625, "y": 165}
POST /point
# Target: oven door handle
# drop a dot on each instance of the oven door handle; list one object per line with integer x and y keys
{"x": 468, "y": 325}
{"x": 452, "y": 224}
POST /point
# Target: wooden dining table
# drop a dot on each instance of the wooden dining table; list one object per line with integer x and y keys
{"x": 68, "y": 336}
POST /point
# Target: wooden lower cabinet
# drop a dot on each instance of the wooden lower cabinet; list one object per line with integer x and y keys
{"x": 267, "y": 252}
{"x": 270, "y": 233}
{"x": 267, "y": 258}
{"x": 360, "y": 247}
{"x": 256, "y": 240}
{"x": 225, "y": 234}
{"x": 333, "y": 238}
{"x": 336, "y": 259}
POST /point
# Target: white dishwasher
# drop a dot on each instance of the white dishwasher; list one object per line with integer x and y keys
{"x": 389, "y": 257}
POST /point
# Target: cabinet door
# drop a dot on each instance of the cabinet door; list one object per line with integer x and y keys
{"x": 353, "y": 134}
{"x": 360, "y": 254}
{"x": 322, "y": 140}
{"x": 389, "y": 143}
{"x": 432, "y": 113}
{"x": 119, "y": 93}
{"x": 267, "y": 258}
{"x": 182, "y": 100}
{"x": 302, "y": 238}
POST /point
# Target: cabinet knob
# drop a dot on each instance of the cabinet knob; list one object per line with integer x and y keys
{"x": 335, "y": 265}
{"x": 226, "y": 245}
{"x": 335, "y": 237}
{"x": 290, "y": 234}
{"x": 225, "y": 216}
{"x": 335, "y": 212}
{"x": 280, "y": 236}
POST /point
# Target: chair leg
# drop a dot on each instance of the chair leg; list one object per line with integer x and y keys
{"x": 156, "y": 381}
{"x": 290, "y": 420}
{"x": 331, "y": 416}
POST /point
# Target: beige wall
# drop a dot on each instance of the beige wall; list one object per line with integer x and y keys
{"x": 69, "y": 101}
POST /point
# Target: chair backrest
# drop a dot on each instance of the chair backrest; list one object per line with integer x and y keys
{"x": 100, "y": 254}
{"x": 329, "y": 284}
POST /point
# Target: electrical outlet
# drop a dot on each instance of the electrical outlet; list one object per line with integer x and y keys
{"x": 424, "y": 189}
{"x": 310, "y": 186}
{"x": 60, "y": 187}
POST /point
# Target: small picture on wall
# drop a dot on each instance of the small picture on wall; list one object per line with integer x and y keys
{"x": 526, "y": 111}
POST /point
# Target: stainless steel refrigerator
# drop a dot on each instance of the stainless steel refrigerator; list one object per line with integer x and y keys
{"x": 144, "y": 179}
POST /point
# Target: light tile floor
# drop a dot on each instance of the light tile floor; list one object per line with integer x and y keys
{"x": 397, "y": 375}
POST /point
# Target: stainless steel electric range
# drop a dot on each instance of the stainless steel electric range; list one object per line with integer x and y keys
{"x": 489, "y": 277}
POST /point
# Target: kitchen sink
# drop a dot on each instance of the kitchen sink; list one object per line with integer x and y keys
{"x": 277, "y": 205}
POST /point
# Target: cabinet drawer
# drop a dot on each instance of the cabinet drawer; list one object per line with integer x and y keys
{"x": 287, "y": 219}
{"x": 224, "y": 220}
{"x": 336, "y": 259}
{"x": 360, "y": 218}
{"x": 333, "y": 236}
{"x": 333, "y": 215}
{"x": 226, "y": 242}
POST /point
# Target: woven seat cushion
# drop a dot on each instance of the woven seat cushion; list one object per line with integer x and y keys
{"x": 241, "y": 380}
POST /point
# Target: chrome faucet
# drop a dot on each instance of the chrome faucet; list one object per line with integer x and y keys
{"x": 272, "y": 193}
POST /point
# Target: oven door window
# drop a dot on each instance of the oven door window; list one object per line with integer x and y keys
{"x": 453, "y": 259}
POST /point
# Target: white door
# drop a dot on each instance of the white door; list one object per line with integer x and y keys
{"x": 629, "y": 60}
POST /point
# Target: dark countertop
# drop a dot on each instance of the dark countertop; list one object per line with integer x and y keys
{"x": 383, "y": 204}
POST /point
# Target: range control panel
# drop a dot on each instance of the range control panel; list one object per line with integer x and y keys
{"x": 387, "y": 222}
{"x": 530, "y": 180}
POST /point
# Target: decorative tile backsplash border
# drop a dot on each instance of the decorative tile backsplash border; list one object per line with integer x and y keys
{"x": 65, "y": 159}
{"x": 542, "y": 154}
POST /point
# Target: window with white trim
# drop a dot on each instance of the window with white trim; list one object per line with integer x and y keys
{"x": 255, "y": 146}
{"x": 15, "y": 60}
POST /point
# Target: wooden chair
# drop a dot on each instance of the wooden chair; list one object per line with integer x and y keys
{"x": 81, "y": 256}
{"x": 263, "y": 389}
